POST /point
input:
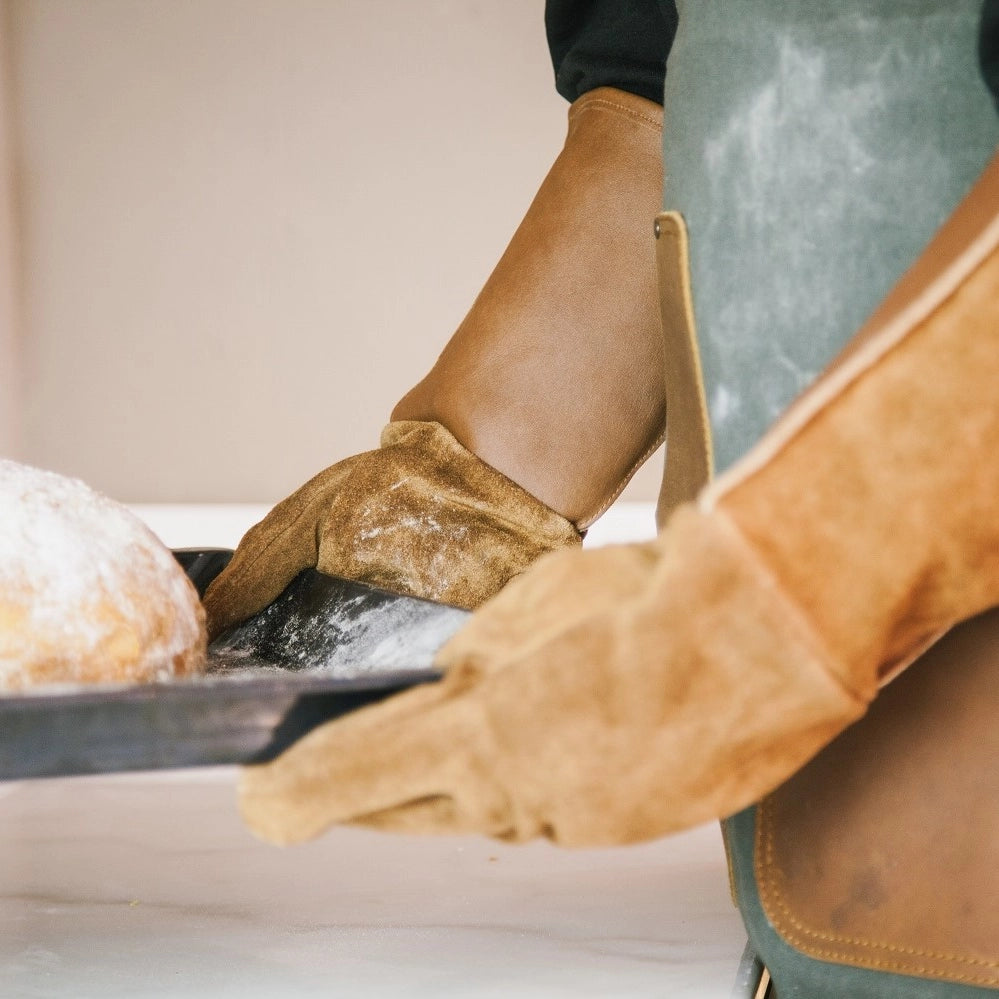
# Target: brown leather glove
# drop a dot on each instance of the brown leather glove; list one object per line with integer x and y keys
{"x": 420, "y": 515}
{"x": 554, "y": 381}
{"x": 616, "y": 695}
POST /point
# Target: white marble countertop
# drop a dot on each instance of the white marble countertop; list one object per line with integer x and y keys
{"x": 148, "y": 885}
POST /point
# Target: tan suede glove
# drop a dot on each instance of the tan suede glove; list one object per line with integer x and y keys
{"x": 616, "y": 695}
{"x": 420, "y": 515}
{"x": 604, "y": 697}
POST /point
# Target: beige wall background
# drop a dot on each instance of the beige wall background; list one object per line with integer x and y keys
{"x": 10, "y": 382}
{"x": 240, "y": 229}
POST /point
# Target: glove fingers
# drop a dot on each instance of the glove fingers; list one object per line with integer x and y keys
{"x": 272, "y": 552}
{"x": 421, "y": 515}
{"x": 422, "y": 750}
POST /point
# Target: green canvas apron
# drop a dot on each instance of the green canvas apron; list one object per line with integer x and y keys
{"x": 813, "y": 148}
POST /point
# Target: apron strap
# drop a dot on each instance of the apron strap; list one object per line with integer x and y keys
{"x": 688, "y": 429}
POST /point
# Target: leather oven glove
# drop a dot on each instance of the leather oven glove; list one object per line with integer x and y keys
{"x": 421, "y": 515}
{"x": 542, "y": 405}
{"x": 616, "y": 695}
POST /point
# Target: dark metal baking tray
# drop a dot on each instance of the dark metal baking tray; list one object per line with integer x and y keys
{"x": 256, "y": 699}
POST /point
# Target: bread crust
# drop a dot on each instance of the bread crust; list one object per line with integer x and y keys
{"x": 88, "y": 594}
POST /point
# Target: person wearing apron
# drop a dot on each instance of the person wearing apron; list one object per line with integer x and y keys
{"x": 832, "y": 233}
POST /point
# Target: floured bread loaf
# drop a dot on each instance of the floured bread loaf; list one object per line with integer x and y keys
{"x": 88, "y": 594}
